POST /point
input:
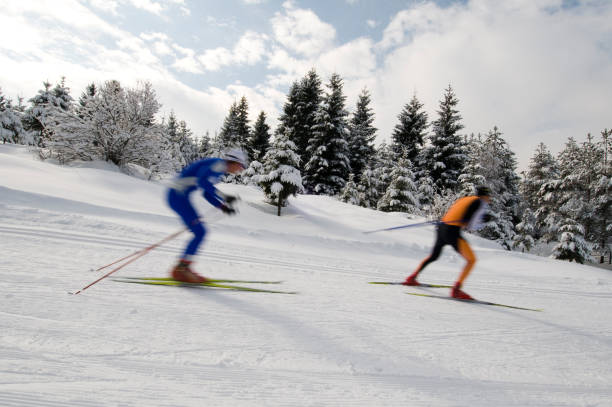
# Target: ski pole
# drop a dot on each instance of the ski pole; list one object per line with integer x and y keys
{"x": 153, "y": 246}
{"x": 134, "y": 256}
{"x": 146, "y": 249}
{"x": 431, "y": 222}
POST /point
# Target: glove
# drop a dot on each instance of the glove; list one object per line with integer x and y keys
{"x": 228, "y": 210}
{"x": 486, "y": 218}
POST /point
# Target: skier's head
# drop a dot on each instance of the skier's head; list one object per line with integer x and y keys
{"x": 483, "y": 192}
{"x": 236, "y": 160}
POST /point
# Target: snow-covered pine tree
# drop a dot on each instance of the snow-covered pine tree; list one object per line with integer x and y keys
{"x": 543, "y": 168}
{"x": 243, "y": 127}
{"x": 571, "y": 246}
{"x": 308, "y": 100}
{"x": 228, "y": 135}
{"x": 36, "y": 117}
{"x": 260, "y": 139}
{"x": 473, "y": 172}
{"x": 361, "y": 135}
{"x": 252, "y": 175}
{"x": 86, "y": 96}
{"x": 217, "y": 146}
{"x": 426, "y": 193}
{"x": 350, "y": 193}
{"x": 602, "y": 194}
{"x": 281, "y": 177}
{"x": 235, "y": 131}
{"x": 523, "y": 239}
{"x": 329, "y": 166}
{"x": 497, "y": 165}
{"x": 409, "y": 134}
{"x": 445, "y": 157}
{"x": 204, "y": 145}
{"x": 401, "y": 194}
{"x": 11, "y": 129}
{"x": 588, "y": 177}
{"x": 369, "y": 188}
{"x": 384, "y": 164}
{"x": 172, "y": 144}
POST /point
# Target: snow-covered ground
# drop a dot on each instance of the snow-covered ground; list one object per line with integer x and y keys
{"x": 339, "y": 342}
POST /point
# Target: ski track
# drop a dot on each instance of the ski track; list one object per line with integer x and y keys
{"x": 368, "y": 271}
{"x": 340, "y": 342}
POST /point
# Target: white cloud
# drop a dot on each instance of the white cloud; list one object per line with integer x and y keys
{"x": 302, "y": 31}
{"x": 249, "y": 50}
{"x": 372, "y": 23}
{"x": 355, "y": 59}
{"x": 107, "y": 6}
{"x": 214, "y": 59}
{"x": 148, "y": 5}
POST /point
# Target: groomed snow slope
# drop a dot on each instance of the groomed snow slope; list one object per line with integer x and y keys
{"x": 339, "y": 342}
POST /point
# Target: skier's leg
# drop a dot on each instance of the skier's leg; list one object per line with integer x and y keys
{"x": 435, "y": 253}
{"x": 466, "y": 251}
{"x": 181, "y": 205}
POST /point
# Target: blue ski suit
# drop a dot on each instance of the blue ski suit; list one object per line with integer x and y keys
{"x": 202, "y": 174}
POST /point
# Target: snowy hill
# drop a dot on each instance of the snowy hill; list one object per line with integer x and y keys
{"x": 339, "y": 342}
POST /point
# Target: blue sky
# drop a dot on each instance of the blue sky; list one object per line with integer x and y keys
{"x": 540, "y": 70}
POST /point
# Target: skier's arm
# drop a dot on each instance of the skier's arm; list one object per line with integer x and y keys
{"x": 476, "y": 215}
{"x": 206, "y": 179}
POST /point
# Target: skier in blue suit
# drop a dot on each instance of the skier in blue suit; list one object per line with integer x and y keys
{"x": 203, "y": 174}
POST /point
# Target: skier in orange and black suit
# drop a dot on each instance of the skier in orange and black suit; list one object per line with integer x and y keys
{"x": 469, "y": 212}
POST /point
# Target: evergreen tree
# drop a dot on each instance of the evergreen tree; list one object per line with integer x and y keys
{"x": 260, "y": 139}
{"x": 523, "y": 240}
{"x": 329, "y": 165}
{"x": 409, "y": 134}
{"x": 426, "y": 194}
{"x": 235, "y": 131}
{"x": 543, "y": 169}
{"x": 369, "y": 188}
{"x": 188, "y": 146}
{"x": 252, "y": 175}
{"x": 446, "y": 156}
{"x": 401, "y": 195}
{"x": 593, "y": 180}
{"x": 204, "y": 145}
{"x": 473, "y": 171}
{"x": 385, "y": 160}
{"x": 571, "y": 246}
{"x": 242, "y": 125}
{"x": 361, "y": 135}
{"x": 309, "y": 99}
{"x": 498, "y": 169}
{"x": 172, "y": 144}
{"x": 11, "y": 129}
{"x": 37, "y": 119}
{"x": 350, "y": 193}
{"x": 281, "y": 177}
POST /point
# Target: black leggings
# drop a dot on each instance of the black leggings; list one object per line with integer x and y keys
{"x": 447, "y": 235}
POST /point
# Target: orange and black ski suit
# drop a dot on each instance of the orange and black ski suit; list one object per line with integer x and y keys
{"x": 462, "y": 213}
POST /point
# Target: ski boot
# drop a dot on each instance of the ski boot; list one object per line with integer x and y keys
{"x": 411, "y": 279}
{"x": 456, "y": 292}
{"x": 183, "y": 273}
